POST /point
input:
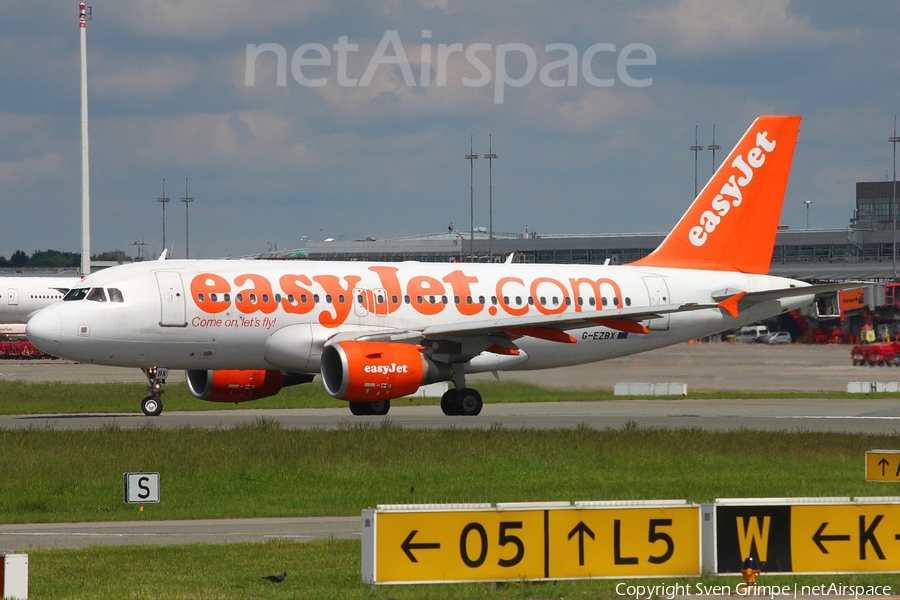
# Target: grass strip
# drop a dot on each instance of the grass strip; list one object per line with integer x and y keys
{"x": 263, "y": 470}
{"x": 317, "y": 570}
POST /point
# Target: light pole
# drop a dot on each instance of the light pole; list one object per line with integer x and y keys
{"x": 84, "y": 15}
{"x": 471, "y": 158}
{"x": 696, "y": 148}
{"x": 490, "y": 156}
{"x": 893, "y": 140}
{"x": 713, "y": 147}
{"x": 187, "y": 200}
{"x": 164, "y": 201}
{"x": 807, "y": 203}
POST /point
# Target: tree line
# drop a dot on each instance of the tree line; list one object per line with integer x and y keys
{"x": 56, "y": 259}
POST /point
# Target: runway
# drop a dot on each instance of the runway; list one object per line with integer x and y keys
{"x": 863, "y": 415}
{"x": 160, "y": 533}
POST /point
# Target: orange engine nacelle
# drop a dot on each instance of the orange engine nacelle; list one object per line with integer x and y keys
{"x": 375, "y": 371}
{"x": 234, "y": 385}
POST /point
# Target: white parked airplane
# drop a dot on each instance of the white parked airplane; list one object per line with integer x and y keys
{"x": 242, "y": 330}
{"x": 21, "y": 297}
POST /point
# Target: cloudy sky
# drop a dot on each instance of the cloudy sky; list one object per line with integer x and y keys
{"x": 354, "y": 119}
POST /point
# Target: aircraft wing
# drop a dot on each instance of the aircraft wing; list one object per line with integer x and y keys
{"x": 549, "y": 327}
{"x": 553, "y": 327}
{"x": 735, "y": 301}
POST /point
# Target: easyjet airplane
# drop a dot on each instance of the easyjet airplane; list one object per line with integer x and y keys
{"x": 243, "y": 329}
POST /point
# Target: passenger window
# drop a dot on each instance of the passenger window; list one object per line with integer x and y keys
{"x": 627, "y": 301}
{"x": 200, "y": 297}
{"x": 97, "y": 295}
{"x": 239, "y": 297}
{"x": 115, "y": 295}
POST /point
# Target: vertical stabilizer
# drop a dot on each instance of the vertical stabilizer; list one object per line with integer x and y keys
{"x": 731, "y": 225}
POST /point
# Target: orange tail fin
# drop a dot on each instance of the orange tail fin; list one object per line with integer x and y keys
{"x": 731, "y": 226}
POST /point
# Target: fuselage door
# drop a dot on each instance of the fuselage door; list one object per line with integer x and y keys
{"x": 13, "y": 296}
{"x": 659, "y": 295}
{"x": 171, "y": 298}
{"x": 379, "y": 296}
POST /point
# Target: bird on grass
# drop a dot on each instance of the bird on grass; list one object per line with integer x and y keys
{"x": 276, "y": 578}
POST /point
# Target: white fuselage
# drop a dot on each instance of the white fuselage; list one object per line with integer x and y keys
{"x": 21, "y": 297}
{"x": 226, "y": 314}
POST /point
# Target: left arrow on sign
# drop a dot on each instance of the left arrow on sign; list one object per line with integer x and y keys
{"x": 819, "y": 537}
{"x": 407, "y": 546}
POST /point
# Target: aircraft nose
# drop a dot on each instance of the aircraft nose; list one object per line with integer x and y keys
{"x": 43, "y": 330}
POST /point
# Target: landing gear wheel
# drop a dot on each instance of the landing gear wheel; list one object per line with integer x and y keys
{"x": 152, "y": 406}
{"x": 360, "y": 409}
{"x": 379, "y": 408}
{"x": 448, "y": 403}
{"x": 468, "y": 402}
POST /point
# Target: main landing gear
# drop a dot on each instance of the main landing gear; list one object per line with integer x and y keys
{"x": 464, "y": 402}
{"x": 152, "y": 405}
{"x": 377, "y": 409}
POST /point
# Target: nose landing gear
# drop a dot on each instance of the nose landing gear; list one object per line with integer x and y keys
{"x": 152, "y": 405}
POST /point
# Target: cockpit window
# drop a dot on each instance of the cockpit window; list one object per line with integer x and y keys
{"x": 76, "y": 294}
{"x": 115, "y": 295}
{"x": 97, "y": 295}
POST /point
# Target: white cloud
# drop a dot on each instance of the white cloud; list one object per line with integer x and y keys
{"x": 699, "y": 27}
{"x": 206, "y": 19}
{"x": 153, "y": 78}
{"x": 241, "y": 140}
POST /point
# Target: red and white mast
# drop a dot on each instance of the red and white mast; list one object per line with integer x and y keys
{"x": 83, "y": 17}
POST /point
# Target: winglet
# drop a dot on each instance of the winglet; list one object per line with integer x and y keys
{"x": 163, "y": 255}
{"x": 731, "y": 226}
{"x": 730, "y": 304}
